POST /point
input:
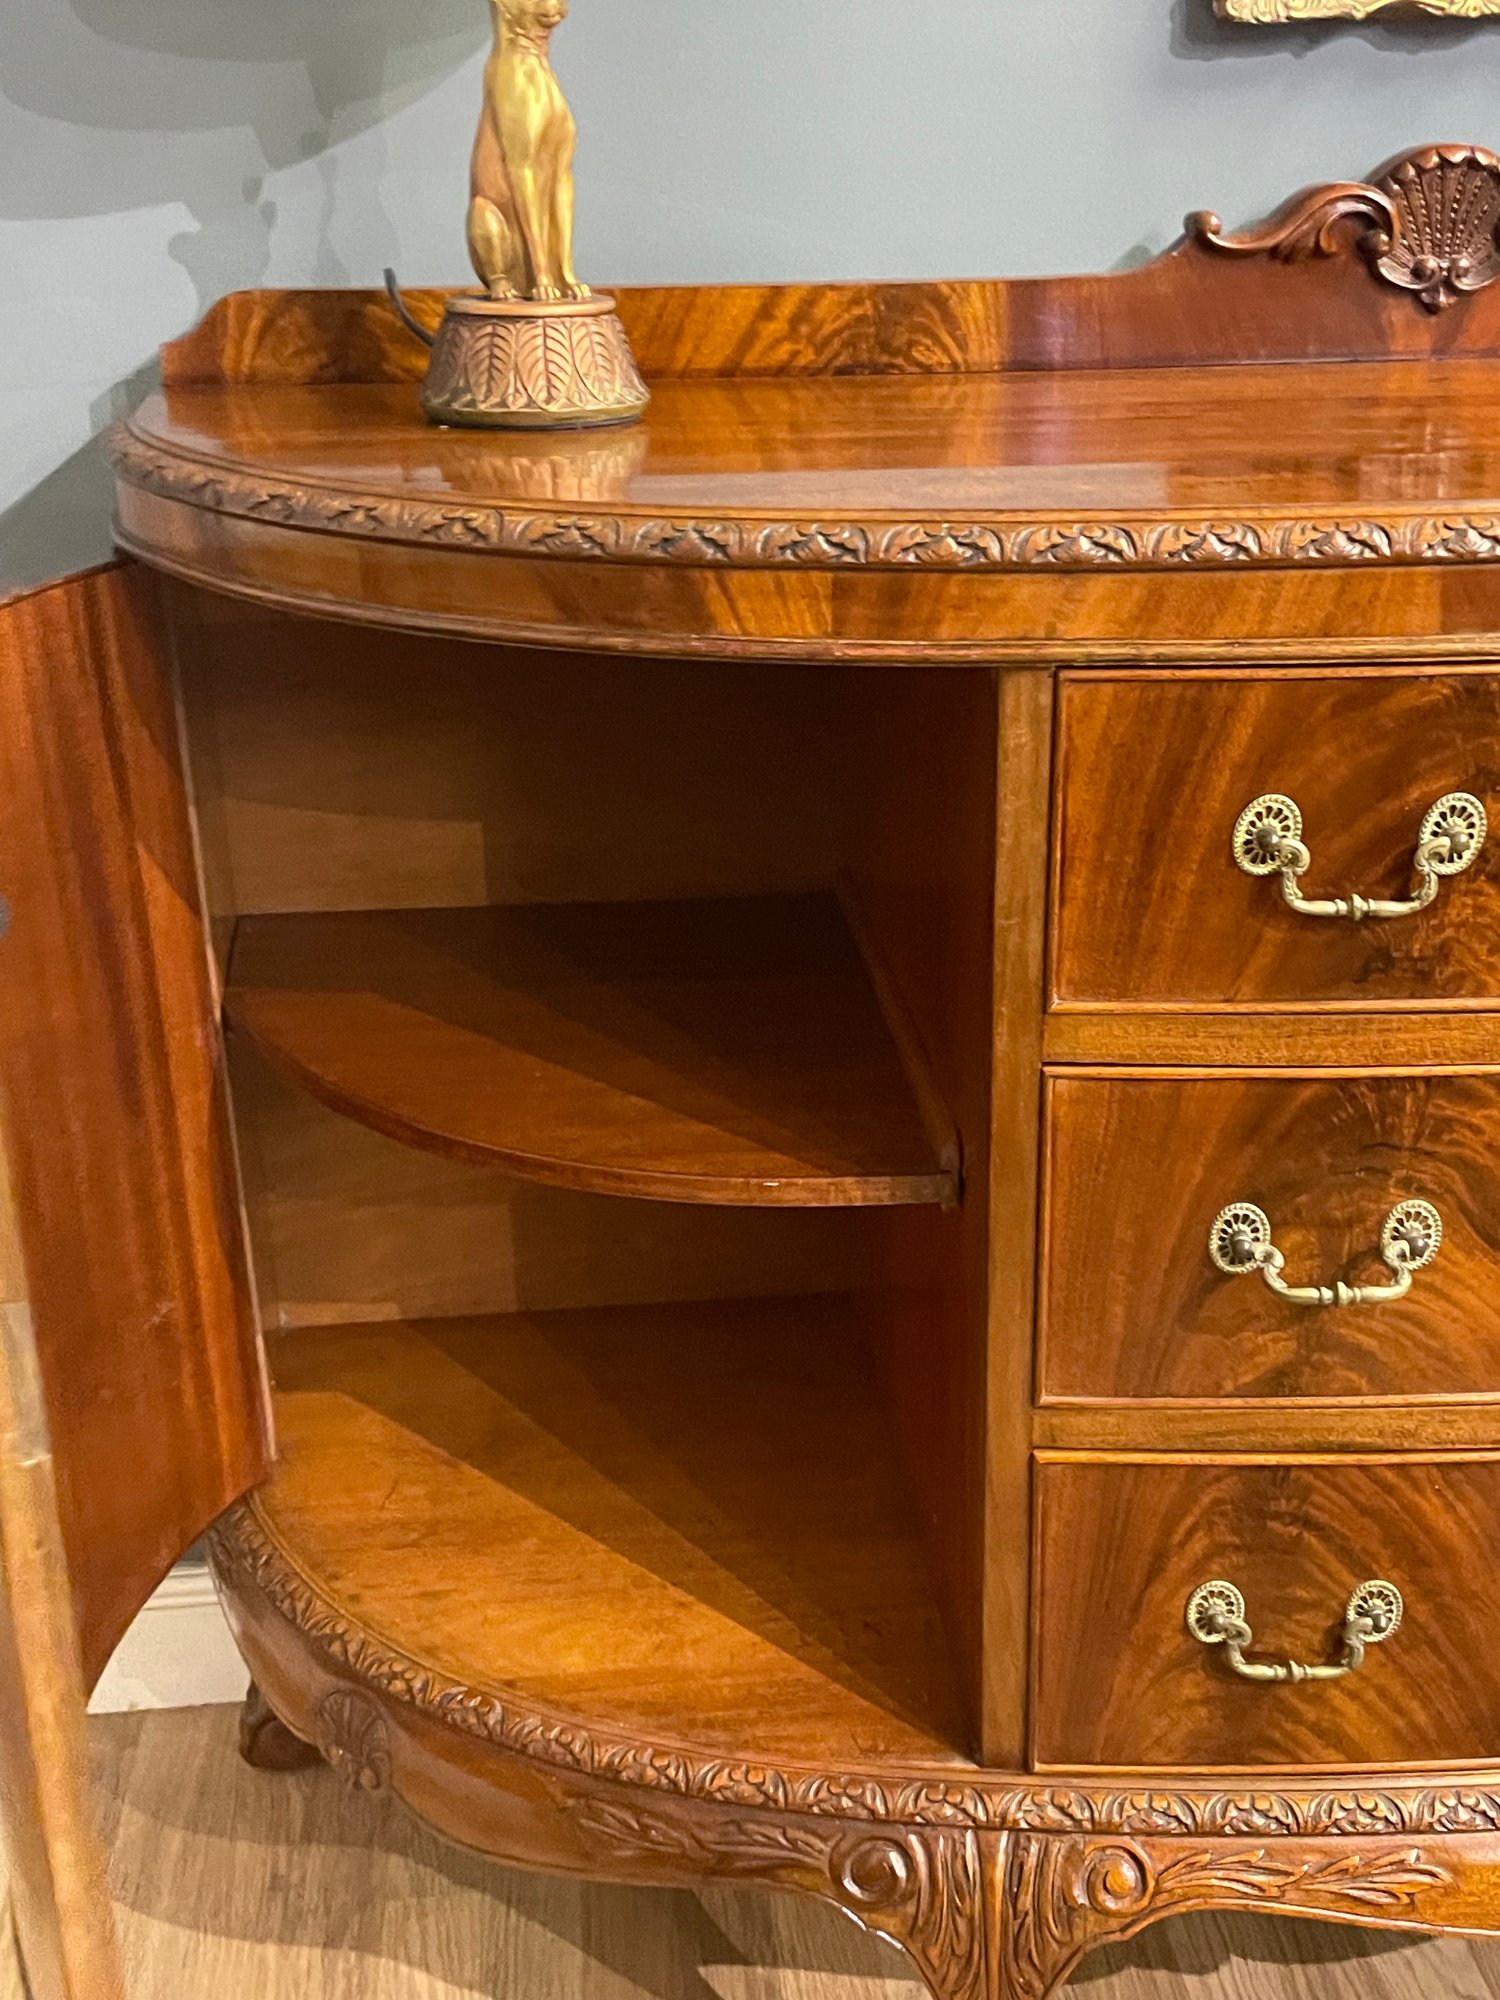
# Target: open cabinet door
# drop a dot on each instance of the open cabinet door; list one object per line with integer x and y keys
{"x": 134, "y": 1376}
{"x": 60, "y": 1917}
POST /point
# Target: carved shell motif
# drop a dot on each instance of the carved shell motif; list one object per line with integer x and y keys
{"x": 1447, "y": 203}
{"x": 353, "y": 1739}
{"x": 1428, "y": 222}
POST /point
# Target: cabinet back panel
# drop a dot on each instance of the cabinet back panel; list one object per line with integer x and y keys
{"x": 349, "y": 1226}
{"x": 339, "y": 768}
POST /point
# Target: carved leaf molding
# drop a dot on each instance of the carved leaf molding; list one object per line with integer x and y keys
{"x": 1084, "y": 545}
{"x": 246, "y": 1557}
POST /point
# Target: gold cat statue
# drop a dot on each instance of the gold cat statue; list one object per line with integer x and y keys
{"x": 521, "y": 181}
{"x": 536, "y": 349}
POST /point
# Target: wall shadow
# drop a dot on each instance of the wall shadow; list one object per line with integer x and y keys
{"x": 118, "y": 108}
{"x": 131, "y": 104}
{"x": 54, "y": 528}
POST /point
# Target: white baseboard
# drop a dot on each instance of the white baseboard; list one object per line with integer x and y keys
{"x": 177, "y": 1654}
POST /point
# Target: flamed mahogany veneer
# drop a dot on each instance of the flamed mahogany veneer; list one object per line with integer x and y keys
{"x": 1133, "y": 1308}
{"x": 1405, "y": 741}
{"x": 839, "y": 1058}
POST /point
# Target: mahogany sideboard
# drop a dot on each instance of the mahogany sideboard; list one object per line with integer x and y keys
{"x": 788, "y": 1121}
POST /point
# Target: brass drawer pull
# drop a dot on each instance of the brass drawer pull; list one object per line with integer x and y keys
{"x": 1240, "y": 1242}
{"x": 1216, "y": 1616}
{"x": 1268, "y": 841}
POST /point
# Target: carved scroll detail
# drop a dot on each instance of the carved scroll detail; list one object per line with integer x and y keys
{"x": 1063, "y": 1897}
{"x": 988, "y": 1916}
{"x": 1305, "y": 226}
{"x": 1427, "y": 223}
{"x": 930, "y": 1893}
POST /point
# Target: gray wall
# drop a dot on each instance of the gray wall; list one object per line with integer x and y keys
{"x": 155, "y": 154}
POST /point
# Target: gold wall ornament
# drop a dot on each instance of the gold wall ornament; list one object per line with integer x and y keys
{"x": 1428, "y": 223}
{"x": 1349, "y": 10}
{"x": 537, "y": 350}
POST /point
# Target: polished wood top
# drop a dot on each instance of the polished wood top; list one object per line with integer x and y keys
{"x": 877, "y": 461}
{"x": 1284, "y": 401}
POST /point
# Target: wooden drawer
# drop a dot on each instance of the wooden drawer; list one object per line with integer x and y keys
{"x": 1150, "y": 905}
{"x": 1119, "y": 1680}
{"x": 1137, "y": 1168}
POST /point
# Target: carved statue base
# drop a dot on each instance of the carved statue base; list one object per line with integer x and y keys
{"x": 518, "y": 364}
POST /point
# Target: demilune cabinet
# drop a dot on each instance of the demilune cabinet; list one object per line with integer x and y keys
{"x": 788, "y": 1121}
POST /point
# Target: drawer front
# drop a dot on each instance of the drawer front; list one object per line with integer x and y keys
{"x": 1138, "y": 1168}
{"x": 1150, "y": 905}
{"x": 1120, "y": 1681}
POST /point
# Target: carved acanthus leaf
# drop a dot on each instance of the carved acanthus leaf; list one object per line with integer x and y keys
{"x": 943, "y": 547}
{"x": 1010, "y": 1913}
{"x": 826, "y": 544}
{"x": 1065, "y": 1896}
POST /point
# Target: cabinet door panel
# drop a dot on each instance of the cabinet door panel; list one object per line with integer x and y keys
{"x": 111, "y": 1101}
{"x": 63, "y": 1922}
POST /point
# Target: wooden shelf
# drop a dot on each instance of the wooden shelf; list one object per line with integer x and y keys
{"x": 729, "y": 1051}
{"x": 676, "y": 1523}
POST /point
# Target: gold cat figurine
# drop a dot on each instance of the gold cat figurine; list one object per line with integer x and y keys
{"x": 521, "y": 183}
{"x": 535, "y": 349}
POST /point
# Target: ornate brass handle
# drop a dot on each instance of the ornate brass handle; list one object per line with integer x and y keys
{"x": 1240, "y": 1242}
{"x": 1216, "y": 1616}
{"x": 1268, "y": 841}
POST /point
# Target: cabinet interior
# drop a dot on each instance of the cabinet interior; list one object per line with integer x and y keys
{"x": 654, "y": 1198}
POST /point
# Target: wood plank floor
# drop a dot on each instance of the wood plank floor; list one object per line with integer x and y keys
{"x": 233, "y": 1885}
